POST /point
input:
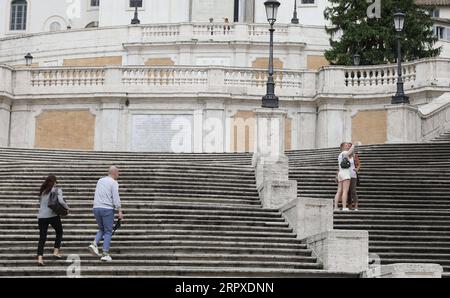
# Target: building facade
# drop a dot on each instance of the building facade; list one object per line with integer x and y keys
{"x": 180, "y": 83}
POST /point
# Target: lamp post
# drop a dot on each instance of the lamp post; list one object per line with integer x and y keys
{"x": 270, "y": 100}
{"x": 294, "y": 19}
{"x": 399, "y": 97}
{"x": 28, "y": 59}
{"x": 135, "y": 20}
{"x": 356, "y": 59}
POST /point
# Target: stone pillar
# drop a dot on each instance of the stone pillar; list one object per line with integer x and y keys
{"x": 403, "y": 124}
{"x": 213, "y": 126}
{"x": 271, "y": 165}
{"x": 406, "y": 270}
{"x": 306, "y": 128}
{"x": 331, "y": 123}
{"x": 21, "y": 133}
{"x": 5, "y": 111}
{"x": 309, "y": 216}
{"x": 110, "y": 116}
{"x": 341, "y": 250}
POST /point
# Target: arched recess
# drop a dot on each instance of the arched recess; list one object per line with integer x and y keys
{"x": 52, "y": 21}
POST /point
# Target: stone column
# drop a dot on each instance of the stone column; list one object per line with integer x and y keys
{"x": 331, "y": 123}
{"x": 21, "y": 117}
{"x": 213, "y": 126}
{"x": 5, "y": 111}
{"x": 271, "y": 165}
{"x": 306, "y": 128}
{"x": 110, "y": 116}
{"x": 403, "y": 124}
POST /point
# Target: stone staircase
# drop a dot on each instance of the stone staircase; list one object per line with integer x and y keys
{"x": 443, "y": 138}
{"x": 404, "y": 198}
{"x": 193, "y": 215}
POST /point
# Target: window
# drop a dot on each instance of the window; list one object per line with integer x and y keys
{"x": 435, "y": 13}
{"x": 308, "y": 1}
{"x": 440, "y": 32}
{"x": 95, "y": 3}
{"x": 55, "y": 26}
{"x": 134, "y": 3}
{"x": 18, "y": 15}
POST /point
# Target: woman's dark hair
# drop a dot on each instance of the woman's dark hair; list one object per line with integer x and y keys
{"x": 48, "y": 184}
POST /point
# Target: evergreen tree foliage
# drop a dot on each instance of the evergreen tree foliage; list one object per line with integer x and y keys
{"x": 374, "y": 39}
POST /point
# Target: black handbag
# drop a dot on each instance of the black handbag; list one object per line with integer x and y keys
{"x": 55, "y": 205}
{"x": 345, "y": 163}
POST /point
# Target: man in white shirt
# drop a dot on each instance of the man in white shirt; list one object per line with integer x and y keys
{"x": 106, "y": 199}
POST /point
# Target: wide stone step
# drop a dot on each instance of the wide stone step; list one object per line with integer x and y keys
{"x": 158, "y": 217}
{"x": 140, "y": 221}
{"x": 434, "y": 242}
{"x": 117, "y": 250}
{"x": 154, "y": 243}
{"x": 175, "y": 263}
{"x": 232, "y": 239}
{"x": 68, "y": 184}
{"x": 392, "y": 227}
{"x": 159, "y": 271}
{"x": 164, "y": 226}
{"x": 169, "y": 231}
{"x": 410, "y": 249}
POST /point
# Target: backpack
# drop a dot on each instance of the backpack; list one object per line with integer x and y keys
{"x": 54, "y": 204}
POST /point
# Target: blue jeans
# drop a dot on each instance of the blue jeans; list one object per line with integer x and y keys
{"x": 105, "y": 222}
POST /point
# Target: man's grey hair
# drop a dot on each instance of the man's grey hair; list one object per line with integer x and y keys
{"x": 112, "y": 169}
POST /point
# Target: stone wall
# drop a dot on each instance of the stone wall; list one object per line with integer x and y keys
{"x": 370, "y": 127}
{"x": 65, "y": 130}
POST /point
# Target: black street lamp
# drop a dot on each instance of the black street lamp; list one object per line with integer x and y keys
{"x": 28, "y": 59}
{"x": 294, "y": 19}
{"x": 135, "y": 20}
{"x": 356, "y": 59}
{"x": 270, "y": 100}
{"x": 399, "y": 97}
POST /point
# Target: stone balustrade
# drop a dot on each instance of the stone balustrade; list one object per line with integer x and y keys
{"x": 212, "y": 31}
{"x": 431, "y": 74}
{"x": 135, "y": 79}
{"x": 382, "y": 79}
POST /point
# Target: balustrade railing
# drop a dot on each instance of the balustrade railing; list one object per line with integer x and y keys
{"x": 378, "y": 76}
{"x": 164, "y": 76}
{"x": 67, "y": 77}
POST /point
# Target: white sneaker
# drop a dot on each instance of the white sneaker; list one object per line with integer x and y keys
{"x": 94, "y": 249}
{"x": 344, "y": 209}
{"x": 356, "y": 209}
{"x": 106, "y": 258}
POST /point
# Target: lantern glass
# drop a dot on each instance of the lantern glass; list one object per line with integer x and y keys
{"x": 271, "y": 10}
{"x": 399, "y": 21}
{"x": 356, "y": 59}
{"x": 28, "y": 59}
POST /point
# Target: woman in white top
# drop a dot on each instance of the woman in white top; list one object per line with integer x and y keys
{"x": 344, "y": 176}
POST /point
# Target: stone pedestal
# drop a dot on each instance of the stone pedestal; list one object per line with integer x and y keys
{"x": 331, "y": 127}
{"x": 341, "y": 250}
{"x": 309, "y": 216}
{"x": 406, "y": 270}
{"x": 271, "y": 165}
{"x": 403, "y": 124}
{"x": 5, "y": 111}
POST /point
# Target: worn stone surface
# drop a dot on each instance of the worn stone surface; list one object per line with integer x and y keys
{"x": 309, "y": 216}
{"x": 406, "y": 270}
{"x": 341, "y": 250}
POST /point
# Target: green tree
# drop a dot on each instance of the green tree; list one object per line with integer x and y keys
{"x": 374, "y": 39}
